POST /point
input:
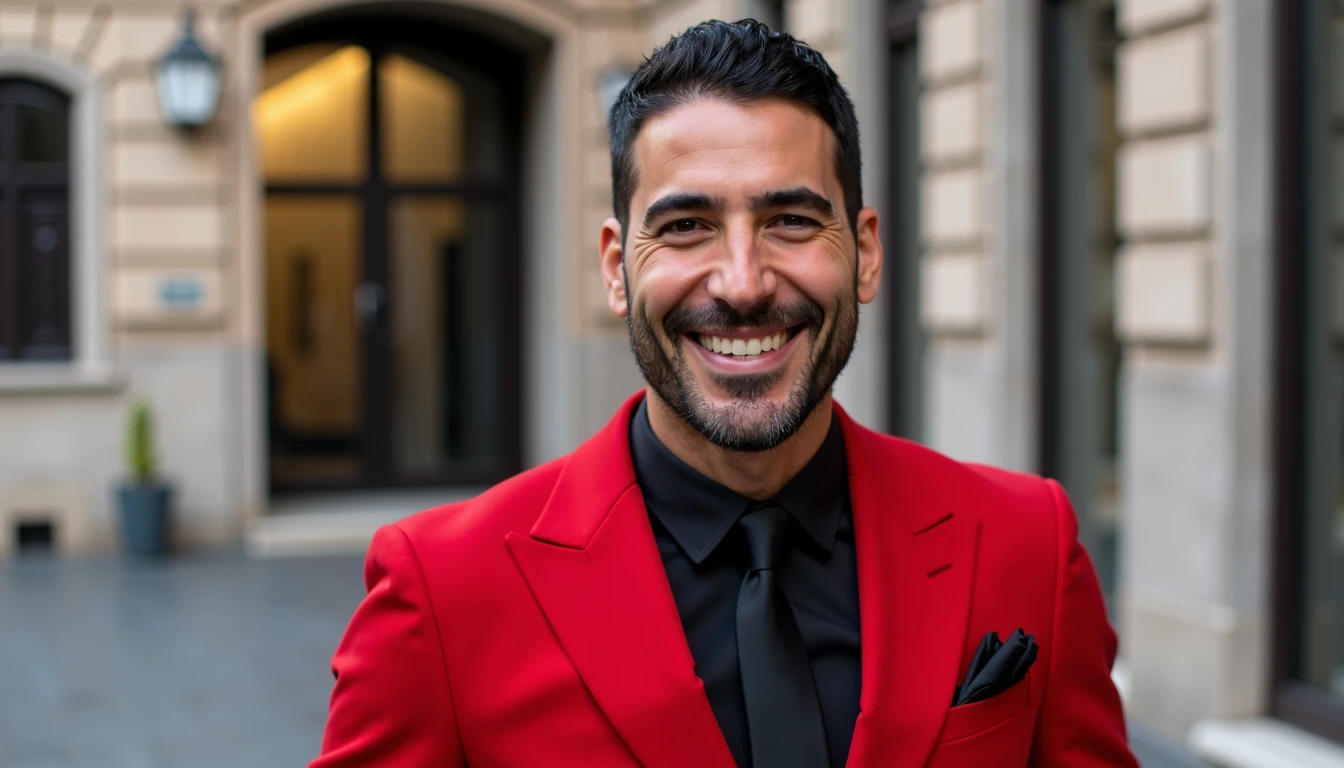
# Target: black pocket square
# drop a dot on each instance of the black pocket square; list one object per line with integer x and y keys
{"x": 996, "y": 667}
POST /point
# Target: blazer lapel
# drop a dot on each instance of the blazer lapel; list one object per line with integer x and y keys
{"x": 593, "y": 566}
{"x": 916, "y": 561}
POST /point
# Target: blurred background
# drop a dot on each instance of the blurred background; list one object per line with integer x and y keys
{"x": 275, "y": 272}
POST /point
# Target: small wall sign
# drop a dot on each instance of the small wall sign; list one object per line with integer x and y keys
{"x": 178, "y": 293}
{"x": 164, "y": 297}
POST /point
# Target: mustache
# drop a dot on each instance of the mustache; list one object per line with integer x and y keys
{"x": 719, "y": 317}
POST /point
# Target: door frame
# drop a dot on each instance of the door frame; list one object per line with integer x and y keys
{"x": 378, "y": 35}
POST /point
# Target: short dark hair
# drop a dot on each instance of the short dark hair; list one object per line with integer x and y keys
{"x": 742, "y": 62}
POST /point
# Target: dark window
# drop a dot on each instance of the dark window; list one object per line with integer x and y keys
{"x": 1080, "y": 352}
{"x": 34, "y": 223}
{"x": 1309, "y": 371}
{"x": 900, "y": 229}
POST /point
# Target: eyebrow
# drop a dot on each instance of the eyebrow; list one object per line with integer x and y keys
{"x": 681, "y": 201}
{"x": 797, "y": 197}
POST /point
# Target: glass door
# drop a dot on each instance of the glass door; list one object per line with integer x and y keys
{"x": 392, "y": 328}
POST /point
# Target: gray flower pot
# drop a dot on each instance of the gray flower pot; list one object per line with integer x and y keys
{"x": 144, "y": 518}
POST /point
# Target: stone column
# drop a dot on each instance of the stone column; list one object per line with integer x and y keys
{"x": 1195, "y": 312}
{"x": 978, "y": 228}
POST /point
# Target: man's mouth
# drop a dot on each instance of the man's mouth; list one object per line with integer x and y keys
{"x": 743, "y": 346}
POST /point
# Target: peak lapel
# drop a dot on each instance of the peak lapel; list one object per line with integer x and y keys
{"x": 594, "y": 568}
{"x": 916, "y": 561}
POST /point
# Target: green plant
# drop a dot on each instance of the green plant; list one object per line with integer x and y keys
{"x": 140, "y": 444}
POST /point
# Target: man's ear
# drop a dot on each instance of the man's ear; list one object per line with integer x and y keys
{"x": 870, "y": 255}
{"x": 613, "y": 276}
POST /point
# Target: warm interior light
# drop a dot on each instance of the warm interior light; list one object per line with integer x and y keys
{"x": 312, "y": 124}
{"x": 422, "y": 118}
{"x": 312, "y": 86}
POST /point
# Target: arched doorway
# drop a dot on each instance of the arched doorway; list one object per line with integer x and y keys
{"x": 389, "y": 154}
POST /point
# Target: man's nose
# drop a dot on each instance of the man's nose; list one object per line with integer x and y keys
{"x": 742, "y": 279}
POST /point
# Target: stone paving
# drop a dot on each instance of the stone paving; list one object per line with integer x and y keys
{"x": 197, "y": 662}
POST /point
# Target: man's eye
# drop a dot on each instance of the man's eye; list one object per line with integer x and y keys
{"x": 794, "y": 220}
{"x": 682, "y": 225}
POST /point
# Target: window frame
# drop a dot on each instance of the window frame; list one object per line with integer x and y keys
{"x": 1292, "y": 699}
{"x": 91, "y": 365}
{"x": 18, "y": 181}
{"x": 379, "y": 37}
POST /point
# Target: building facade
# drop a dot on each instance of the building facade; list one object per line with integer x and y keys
{"x": 371, "y": 284}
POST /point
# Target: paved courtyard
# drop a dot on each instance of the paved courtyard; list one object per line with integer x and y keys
{"x": 209, "y": 661}
{"x": 202, "y": 661}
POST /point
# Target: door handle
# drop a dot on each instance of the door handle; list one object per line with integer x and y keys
{"x": 369, "y": 300}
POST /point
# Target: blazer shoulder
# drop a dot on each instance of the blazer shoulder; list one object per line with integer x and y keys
{"x": 991, "y": 493}
{"x": 1026, "y": 503}
{"x": 512, "y": 505}
{"x": 1028, "y": 490}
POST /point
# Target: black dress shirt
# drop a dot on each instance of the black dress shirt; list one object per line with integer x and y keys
{"x": 704, "y": 551}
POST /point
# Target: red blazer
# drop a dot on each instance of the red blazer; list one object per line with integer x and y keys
{"x": 533, "y": 626}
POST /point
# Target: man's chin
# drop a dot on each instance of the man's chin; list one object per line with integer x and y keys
{"x": 744, "y": 431}
{"x": 743, "y": 423}
{"x": 746, "y": 396}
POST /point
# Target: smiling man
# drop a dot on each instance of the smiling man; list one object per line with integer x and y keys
{"x": 733, "y": 572}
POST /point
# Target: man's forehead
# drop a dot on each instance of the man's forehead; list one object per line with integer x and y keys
{"x": 717, "y": 142}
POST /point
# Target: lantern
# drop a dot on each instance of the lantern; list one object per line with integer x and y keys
{"x": 188, "y": 80}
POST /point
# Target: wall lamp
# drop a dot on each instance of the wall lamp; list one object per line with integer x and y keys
{"x": 187, "y": 79}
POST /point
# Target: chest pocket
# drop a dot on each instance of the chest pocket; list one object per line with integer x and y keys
{"x": 996, "y": 731}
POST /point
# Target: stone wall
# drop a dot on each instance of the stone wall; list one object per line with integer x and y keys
{"x": 1195, "y": 315}
{"x": 978, "y": 208}
{"x": 166, "y": 200}
{"x": 161, "y": 208}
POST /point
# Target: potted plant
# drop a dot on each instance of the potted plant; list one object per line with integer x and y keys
{"x": 143, "y": 498}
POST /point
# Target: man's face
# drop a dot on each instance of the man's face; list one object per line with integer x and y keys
{"x": 740, "y": 277}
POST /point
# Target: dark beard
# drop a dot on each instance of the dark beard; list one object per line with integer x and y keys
{"x": 753, "y": 425}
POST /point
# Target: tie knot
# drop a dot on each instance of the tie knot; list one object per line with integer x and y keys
{"x": 766, "y": 528}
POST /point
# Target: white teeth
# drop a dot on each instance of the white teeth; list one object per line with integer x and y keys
{"x": 743, "y": 347}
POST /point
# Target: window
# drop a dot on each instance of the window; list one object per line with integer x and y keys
{"x": 1080, "y": 352}
{"x": 35, "y": 276}
{"x": 900, "y": 226}
{"x": 1309, "y": 369}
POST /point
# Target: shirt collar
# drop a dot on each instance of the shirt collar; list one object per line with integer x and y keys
{"x": 699, "y": 512}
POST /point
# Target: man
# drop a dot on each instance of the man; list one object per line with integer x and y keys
{"x": 733, "y": 572}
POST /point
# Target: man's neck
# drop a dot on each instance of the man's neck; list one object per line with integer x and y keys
{"x": 756, "y": 475}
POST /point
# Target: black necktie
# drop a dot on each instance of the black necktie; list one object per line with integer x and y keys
{"x": 783, "y": 712}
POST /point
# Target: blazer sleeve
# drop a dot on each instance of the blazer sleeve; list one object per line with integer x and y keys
{"x": 1082, "y": 721}
{"x": 391, "y": 705}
